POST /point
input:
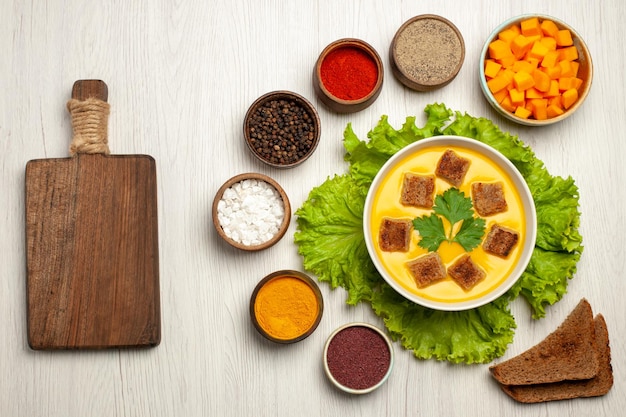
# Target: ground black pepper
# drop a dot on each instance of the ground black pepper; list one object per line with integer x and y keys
{"x": 358, "y": 357}
{"x": 281, "y": 131}
{"x": 429, "y": 51}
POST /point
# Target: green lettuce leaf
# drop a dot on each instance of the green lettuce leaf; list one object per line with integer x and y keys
{"x": 544, "y": 282}
{"x": 366, "y": 158}
{"x": 473, "y": 336}
{"x": 330, "y": 239}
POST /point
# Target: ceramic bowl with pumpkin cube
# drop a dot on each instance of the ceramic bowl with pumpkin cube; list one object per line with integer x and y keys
{"x": 535, "y": 70}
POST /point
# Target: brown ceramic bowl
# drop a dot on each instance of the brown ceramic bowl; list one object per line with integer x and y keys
{"x": 357, "y": 375}
{"x": 427, "y": 52}
{"x": 229, "y": 229}
{"x": 307, "y": 288}
{"x": 585, "y": 72}
{"x": 290, "y": 140}
{"x": 347, "y": 104}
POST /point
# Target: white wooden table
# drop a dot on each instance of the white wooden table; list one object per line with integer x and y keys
{"x": 181, "y": 76}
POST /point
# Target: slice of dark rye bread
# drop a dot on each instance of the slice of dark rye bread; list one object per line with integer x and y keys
{"x": 597, "y": 386}
{"x": 568, "y": 353}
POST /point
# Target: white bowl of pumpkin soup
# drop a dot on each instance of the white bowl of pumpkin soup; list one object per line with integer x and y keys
{"x": 450, "y": 223}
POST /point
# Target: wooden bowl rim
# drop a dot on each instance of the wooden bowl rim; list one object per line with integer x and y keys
{"x": 283, "y": 195}
{"x": 336, "y": 103}
{"x": 405, "y": 78}
{"x": 290, "y": 95}
{"x": 302, "y": 277}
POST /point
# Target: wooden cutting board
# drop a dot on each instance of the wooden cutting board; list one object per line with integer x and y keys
{"x": 92, "y": 245}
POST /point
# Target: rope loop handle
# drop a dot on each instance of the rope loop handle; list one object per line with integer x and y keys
{"x": 89, "y": 125}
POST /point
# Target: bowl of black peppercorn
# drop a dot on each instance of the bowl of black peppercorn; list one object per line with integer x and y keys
{"x": 282, "y": 129}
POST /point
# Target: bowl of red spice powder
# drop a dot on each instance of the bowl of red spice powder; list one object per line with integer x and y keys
{"x": 348, "y": 75}
{"x": 358, "y": 358}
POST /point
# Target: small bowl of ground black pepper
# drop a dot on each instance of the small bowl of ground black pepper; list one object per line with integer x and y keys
{"x": 427, "y": 52}
{"x": 286, "y": 306}
{"x": 251, "y": 212}
{"x": 358, "y": 358}
{"x": 282, "y": 129}
{"x": 348, "y": 75}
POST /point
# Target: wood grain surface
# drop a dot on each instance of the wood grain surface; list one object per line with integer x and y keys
{"x": 181, "y": 75}
{"x": 92, "y": 249}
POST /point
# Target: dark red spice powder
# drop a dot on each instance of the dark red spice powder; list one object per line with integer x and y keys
{"x": 349, "y": 73}
{"x": 358, "y": 357}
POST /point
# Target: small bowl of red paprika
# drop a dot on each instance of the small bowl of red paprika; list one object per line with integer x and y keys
{"x": 348, "y": 75}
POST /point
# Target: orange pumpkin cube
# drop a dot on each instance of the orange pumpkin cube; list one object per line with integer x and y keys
{"x": 549, "y": 28}
{"x": 500, "y": 95}
{"x": 554, "y": 111}
{"x": 542, "y": 80}
{"x": 538, "y": 51}
{"x": 553, "y": 91}
{"x": 549, "y": 43}
{"x": 517, "y": 97}
{"x": 507, "y": 105}
{"x": 530, "y": 27}
{"x": 523, "y": 65}
{"x": 550, "y": 59}
{"x": 566, "y": 68}
{"x": 523, "y": 80}
{"x": 564, "y": 38}
{"x": 498, "y": 83}
{"x": 539, "y": 108}
{"x": 532, "y": 92}
{"x": 553, "y": 72}
{"x": 520, "y": 45}
{"x": 569, "y": 97}
{"x": 508, "y": 35}
{"x": 492, "y": 68}
{"x": 499, "y": 49}
{"x": 522, "y": 112}
{"x": 569, "y": 54}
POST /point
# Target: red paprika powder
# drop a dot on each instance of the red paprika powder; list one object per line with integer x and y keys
{"x": 349, "y": 73}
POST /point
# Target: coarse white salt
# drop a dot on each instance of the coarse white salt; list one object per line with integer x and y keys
{"x": 250, "y": 212}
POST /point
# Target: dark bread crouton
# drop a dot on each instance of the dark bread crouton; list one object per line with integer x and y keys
{"x": 427, "y": 269}
{"x": 418, "y": 190}
{"x": 395, "y": 235}
{"x": 597, "y": 386}
{"x": 466, "y": 273}
{"x": 452, "y": 167}
{"x": 567, "y": 354}
{"x": 500, "y": 241}
{"x": 488, "y": 198}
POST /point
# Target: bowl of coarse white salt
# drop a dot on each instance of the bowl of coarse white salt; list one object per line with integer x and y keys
{"x": 251, "y": 211}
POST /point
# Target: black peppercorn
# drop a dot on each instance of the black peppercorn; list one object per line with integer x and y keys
{"x": 280, "y": 130}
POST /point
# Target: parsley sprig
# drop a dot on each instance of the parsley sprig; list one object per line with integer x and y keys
{"x": 455, "y": 207}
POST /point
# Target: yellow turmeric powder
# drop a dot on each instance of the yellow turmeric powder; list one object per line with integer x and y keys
{"x": 286, "y": 307}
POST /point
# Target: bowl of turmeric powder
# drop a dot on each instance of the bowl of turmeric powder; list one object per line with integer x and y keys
{"x": 535, "y": 70}
{"x": 286, "y": 306}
